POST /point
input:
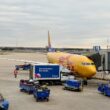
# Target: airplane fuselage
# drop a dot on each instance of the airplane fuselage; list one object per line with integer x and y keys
{"x": 78, "y": 64}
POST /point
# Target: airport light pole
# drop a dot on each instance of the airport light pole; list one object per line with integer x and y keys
{"x": 107, "y": 44}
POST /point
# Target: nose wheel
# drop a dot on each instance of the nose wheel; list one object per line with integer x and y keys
{"x": 85, "y": 82}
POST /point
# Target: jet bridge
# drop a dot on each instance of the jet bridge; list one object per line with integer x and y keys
{"x": 101, "y": 60}
{"x": 96, "y": 58}
{"x": 105, "y": 61}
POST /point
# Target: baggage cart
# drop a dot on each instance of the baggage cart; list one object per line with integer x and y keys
{"x": 4, "y": 104}
{"x": 41, "y": 94}
{"x": 26, "y": 86}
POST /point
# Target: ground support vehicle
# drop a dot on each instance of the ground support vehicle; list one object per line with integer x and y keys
{"x": 104, "y": 89}
{"x": 26, "y": 86}
{"x": 41, "y": 94}
{"x": 4, "y": 104}
{"x": 47, "y": 73}
{"x": 72, "y": 84}
{"x": 23, "y": 67}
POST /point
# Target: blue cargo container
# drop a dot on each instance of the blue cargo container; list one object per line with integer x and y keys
{"x": 41, "y": 94}
{"x": 4, "y": 104}
{"x": 105, "y": 89}
{"x": 73, "y": 85}
{"x": 47, "y": 73}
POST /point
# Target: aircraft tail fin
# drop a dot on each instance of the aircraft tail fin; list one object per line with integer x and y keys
{"x": 49, "y": 41}
{"x": 49, "y": 47}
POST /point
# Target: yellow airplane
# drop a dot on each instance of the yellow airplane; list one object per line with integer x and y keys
{"x": 77, "y": 64}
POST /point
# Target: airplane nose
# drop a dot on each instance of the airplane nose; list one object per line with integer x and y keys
{"x": 92, "y": 71}
{"x": 88, "y": 72}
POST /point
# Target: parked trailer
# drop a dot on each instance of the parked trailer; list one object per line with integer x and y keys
{"x": 73, "y": 85}
{"x": 104, "y": 89}
{"x": 47, "y": 73}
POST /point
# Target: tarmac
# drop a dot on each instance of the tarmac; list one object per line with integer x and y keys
{"x": 88, "y": 99}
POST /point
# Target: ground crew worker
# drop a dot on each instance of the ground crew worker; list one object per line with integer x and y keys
{"x": 15, "y": 73}
{"x": 1, "y": 100}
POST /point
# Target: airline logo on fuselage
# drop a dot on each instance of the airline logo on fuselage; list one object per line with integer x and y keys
{"x": 64, "y": 61}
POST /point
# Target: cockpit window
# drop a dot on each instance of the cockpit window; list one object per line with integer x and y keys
{"x": 86, "y": 63}
{"x": 92, "y": 64}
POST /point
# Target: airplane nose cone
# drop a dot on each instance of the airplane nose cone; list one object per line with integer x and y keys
{"x": 92, "y": 71}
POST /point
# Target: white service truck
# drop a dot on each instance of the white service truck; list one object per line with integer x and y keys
{"x": 49, "y": 73}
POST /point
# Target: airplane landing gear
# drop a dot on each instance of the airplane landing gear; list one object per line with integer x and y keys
{"x": 85, "y": 82}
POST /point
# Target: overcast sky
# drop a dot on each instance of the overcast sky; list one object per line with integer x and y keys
{"x": 72, "y": 23}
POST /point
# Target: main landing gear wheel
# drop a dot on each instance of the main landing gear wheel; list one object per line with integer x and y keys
{"x": 85, "y": 82}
